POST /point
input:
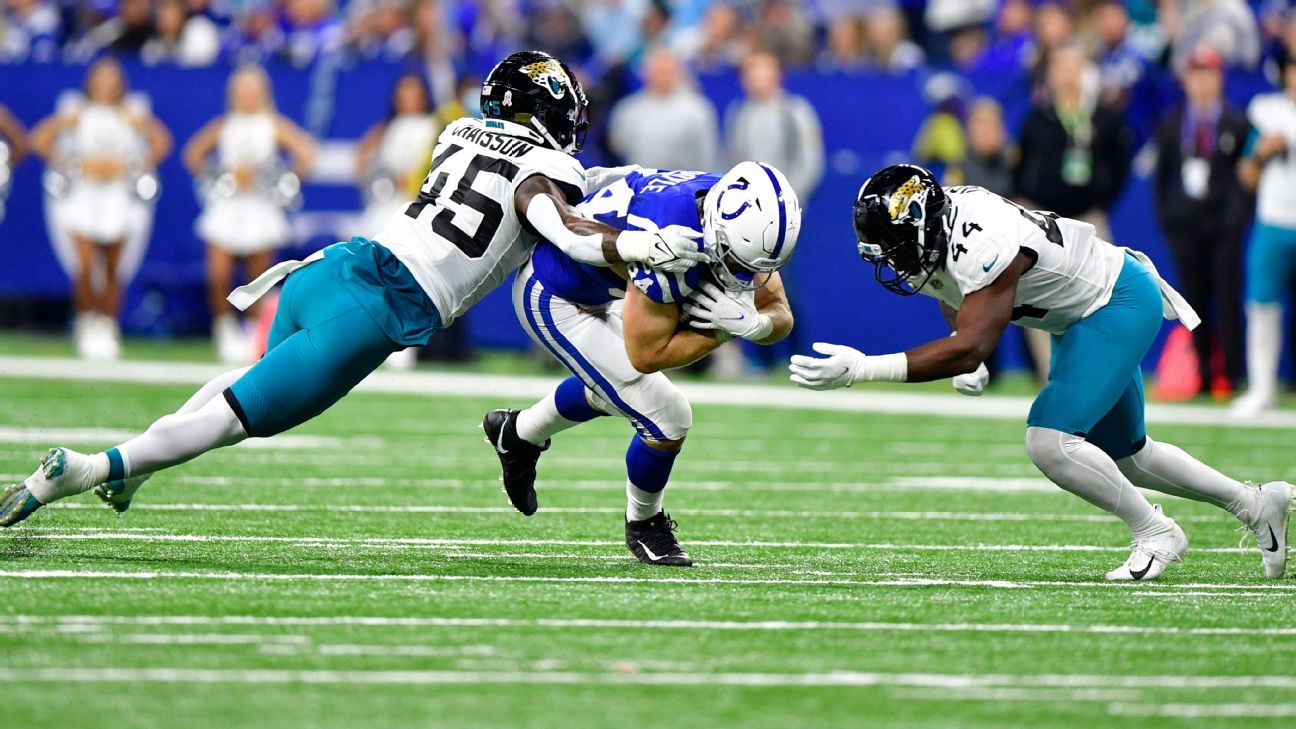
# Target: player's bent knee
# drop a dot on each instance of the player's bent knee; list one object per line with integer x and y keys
{"x": 1048, "y": 449}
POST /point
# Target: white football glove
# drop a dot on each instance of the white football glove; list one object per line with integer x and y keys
{"x": 673, "y": 249}
{"x": 973, "y": 383}
{"x": 713, "y": 308}
{"x": 597, "y": 178}
{"x": 844, "y": 367}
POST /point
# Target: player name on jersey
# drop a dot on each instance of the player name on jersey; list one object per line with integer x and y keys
{"x": 500, "y": 142}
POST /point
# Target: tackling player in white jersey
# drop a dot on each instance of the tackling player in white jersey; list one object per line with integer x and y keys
{"x": 345, "y": 309}
{"x": 749, "y": 220}
{"x": 991, "y": 262}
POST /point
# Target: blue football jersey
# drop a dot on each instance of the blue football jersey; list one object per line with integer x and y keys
{"x": 640, "y": 201}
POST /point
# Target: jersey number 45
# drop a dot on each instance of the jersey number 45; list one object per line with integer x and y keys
{"x": 462, "y": 169}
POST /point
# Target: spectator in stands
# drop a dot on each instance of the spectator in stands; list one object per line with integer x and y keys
{"x": 381, "y": 28}
{"x": 1120, "y": 66}
{"x": 1054, "y": 26}
{"x": 1202, "y": 209}
{"x": 1012, "y": 45}
{"x": 668, "y": 124}
{"x": 99, "y": 144}
{"x": 887, "y": 43}
{"x": 773, "y": 126}
{"x": 1075, "y": 151}
{"x": 181, "y": 38}
{"x": 718, "y": 41}
{"x": 311, "y": 30}
{"x": 1269, "y": 167}
{"x": 845, "y": 45}
{"x": 243, "y": 218}
{"x": 944, "y": 17}
{"x": 1228, "y": 26}
{"x": 30, "y": 30}
{"x": 990, "y": 158}
{"x": 784, "y": 29}
{"x": 615, "y": 27}
{"x": 126, "y": 32}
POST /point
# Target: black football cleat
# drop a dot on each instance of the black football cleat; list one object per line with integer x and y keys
{"x": 652, "y": 541}
{"x": 517, "y": 457}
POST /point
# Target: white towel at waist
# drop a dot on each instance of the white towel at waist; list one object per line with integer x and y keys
{"x": 1173, "y": 304}
{"x": 247, "y": 294}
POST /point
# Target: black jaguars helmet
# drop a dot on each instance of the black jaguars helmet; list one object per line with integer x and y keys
{"x": 900, "y": 225}
{"x": 538, "y": 91}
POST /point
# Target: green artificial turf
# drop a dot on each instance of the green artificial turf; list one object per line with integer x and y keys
{"x": 854, "y": 569}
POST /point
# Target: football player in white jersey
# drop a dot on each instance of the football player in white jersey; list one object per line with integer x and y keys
{"x": 617, "y": 328}
{"x": 990, "y": 262}
{"x": 344, "y": 310}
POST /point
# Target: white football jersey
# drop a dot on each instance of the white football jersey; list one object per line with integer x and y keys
{"x": 1074, "y": 272}
{"x": 1272, "y": 114}
{"x": 462, "y": 236}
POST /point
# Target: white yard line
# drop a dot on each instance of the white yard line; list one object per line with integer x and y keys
{"x": 100, "y": 621}
{"x": 746, "y": 513}
{"x": 512, "y": 387}
{"x": 1205, "y": 711}
{"x": 865, "y": 582}
{"x": 672, "y": 678}
{"x": 450, "y": 542}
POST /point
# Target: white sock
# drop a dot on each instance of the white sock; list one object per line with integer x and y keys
{"x": 1086, "y": 471}
{"x": 541, "y": 421}
{"x": 642, "y": 504}
{"x": 1167, "y": 468}
{"x": 179, "y": 437}
{"x": 1264, "y": 348}
{"x": 79, "y": 477}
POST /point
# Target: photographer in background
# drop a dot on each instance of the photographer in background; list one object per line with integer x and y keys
{"x": 1203, "y": 210}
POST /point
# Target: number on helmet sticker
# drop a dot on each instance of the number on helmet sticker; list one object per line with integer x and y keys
{"x": 463, "y": 197}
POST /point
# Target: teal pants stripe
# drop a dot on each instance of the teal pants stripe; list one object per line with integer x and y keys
{"x": 1095, "y": 386}
{"x": 1270, "y": 263}
{"x": 322, "y": 344}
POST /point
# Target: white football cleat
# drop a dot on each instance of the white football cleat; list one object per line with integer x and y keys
{"x": 1254, "y": 402}
{"x": 63, "y": 472}
{"x": 1152, "y": 555}
{"x": 1274, "y": 503}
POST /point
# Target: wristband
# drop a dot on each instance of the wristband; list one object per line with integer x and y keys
{"x": 634, "y": 246}
{"x": 764, "y": 327}
{"x": 883, "y": 368}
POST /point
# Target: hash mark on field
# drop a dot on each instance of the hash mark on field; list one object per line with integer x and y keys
{"x": 1257, "y": 588}
{"x": 671, "y": 678}
{"x": 93, "y": 621}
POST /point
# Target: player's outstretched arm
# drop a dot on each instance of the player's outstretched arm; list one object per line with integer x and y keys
{"x": 981, "y": 322}
{"x": 541, "y": 204}
{"x": 654, "y": 339}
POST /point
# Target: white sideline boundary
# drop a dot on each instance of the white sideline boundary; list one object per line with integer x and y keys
{"x": 101, "y": 621}
{"x": 864, "y": 582}
{"x": 672, "y": 678}
{"x": 459, "y": 543}
{"x": 512, "y": 387}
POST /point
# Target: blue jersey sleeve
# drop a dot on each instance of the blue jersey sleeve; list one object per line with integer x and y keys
{"x": 662, "y": 287}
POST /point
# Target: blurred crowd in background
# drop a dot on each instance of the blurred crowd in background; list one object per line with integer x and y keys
{"x": 1089, "y": 64}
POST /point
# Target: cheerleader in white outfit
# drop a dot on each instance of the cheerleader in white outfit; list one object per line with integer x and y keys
{"x": 100, "y": 146}
{"x": 244, "y": 219}
{"x": 391, "y": 161}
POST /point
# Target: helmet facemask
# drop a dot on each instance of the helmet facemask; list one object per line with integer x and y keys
{"x": 905, "y": 247}
{"x": 730, "y": 271}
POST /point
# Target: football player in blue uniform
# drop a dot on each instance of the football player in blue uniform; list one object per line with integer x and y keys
{"x": 617, "y": 328}
{"x": 344, "y": 310}
{"x": 991, "y": 262}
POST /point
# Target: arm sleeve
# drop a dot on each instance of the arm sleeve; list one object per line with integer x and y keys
{"x": 543, "y": 217}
